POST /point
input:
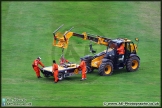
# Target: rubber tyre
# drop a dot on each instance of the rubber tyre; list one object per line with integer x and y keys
{"x": 106, "y": 69}
{"x": 132, "y": 64}
{"x": 60, "y": 76}
{"x": 89, "y": 69}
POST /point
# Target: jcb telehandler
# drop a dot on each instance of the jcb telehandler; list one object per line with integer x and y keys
{"x": 107, "y": 60}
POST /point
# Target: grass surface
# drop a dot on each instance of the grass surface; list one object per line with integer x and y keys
{"x": 27, "y": 33}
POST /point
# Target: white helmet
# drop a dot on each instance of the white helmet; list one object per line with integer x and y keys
{"x": 39, "y": 58}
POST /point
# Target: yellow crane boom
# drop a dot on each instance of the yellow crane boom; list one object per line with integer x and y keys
{"x": 62, "y": 40}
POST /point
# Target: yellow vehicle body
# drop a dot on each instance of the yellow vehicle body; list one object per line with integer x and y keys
{"x": 95, "y": 63}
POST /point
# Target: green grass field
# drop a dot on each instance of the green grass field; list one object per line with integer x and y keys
{"x": 27, "y": 33}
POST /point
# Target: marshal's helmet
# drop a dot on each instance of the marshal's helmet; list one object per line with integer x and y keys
{"x": 39, "y": 58}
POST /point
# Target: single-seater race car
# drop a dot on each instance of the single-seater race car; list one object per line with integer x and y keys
{"x": 65, "y": 70}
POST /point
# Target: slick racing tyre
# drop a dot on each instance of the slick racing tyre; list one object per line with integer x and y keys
{"x": 60, "y": 76}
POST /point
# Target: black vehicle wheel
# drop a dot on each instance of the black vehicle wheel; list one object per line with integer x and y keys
{"x": 89, "y": 69}
{"x": 60, "y": 76}
{"x": 106, "y": 69}
{"x": 132, "y": 64}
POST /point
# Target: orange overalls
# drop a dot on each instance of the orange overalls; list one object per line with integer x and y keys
{"x": 83, "y": 68}
{"x": 55, "y": 72}
{"x": 121, "y": 50}
{"x": 36, "y": 68}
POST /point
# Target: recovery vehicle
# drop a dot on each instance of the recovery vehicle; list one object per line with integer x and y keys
{"x": 108, "y": 60}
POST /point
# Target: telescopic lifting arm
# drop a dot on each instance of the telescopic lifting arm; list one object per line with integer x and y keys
{"x": 63, "y": 39}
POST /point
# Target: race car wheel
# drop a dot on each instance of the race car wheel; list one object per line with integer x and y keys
{"x": 60, "y": 76}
